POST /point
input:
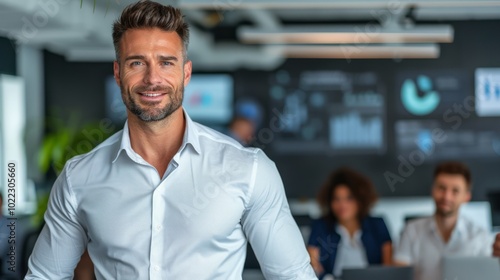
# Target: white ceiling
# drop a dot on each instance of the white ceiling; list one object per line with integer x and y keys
{"x": 84, "y": 34}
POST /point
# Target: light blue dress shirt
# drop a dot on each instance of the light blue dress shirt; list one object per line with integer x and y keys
{"x": 194, "y": 223}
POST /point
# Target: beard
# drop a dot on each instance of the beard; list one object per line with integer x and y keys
{"x": 149, "y": 111}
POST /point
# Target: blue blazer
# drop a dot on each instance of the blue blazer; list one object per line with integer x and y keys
{"x": 324, "y": 236}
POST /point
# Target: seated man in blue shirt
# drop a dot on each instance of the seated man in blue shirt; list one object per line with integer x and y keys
{"x": 166, "y": 198}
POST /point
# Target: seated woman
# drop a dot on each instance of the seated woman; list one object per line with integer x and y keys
{"x": 346, "y": 236}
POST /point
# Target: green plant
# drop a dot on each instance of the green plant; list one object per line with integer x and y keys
{"x": 66, "y": 139}
{"x": 42, "y": 202}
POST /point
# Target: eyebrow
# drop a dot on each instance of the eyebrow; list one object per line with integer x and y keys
{"x": 161, "y": 57}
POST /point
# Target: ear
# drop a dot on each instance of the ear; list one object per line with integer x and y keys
{"x": 116, "y": 72}
{"x": 468, "y": 196}
{"x": 188, "y": 68}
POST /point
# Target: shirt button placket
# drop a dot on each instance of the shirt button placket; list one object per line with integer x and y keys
{"x": 157, "y": 240}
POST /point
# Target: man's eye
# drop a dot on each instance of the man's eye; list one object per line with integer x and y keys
{"x": 167, "y": 63}
{"x": 135, "y": 63}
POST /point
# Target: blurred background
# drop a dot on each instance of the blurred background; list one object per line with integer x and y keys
{"x": 389, "y": 88}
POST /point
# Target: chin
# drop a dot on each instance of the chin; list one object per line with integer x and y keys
{"x": 446, "y": 213}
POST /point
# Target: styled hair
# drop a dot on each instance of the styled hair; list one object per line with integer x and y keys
{"x": 149, "y": 14}
{"x": 360, "y": 187}
{"x": 454, "y": 168}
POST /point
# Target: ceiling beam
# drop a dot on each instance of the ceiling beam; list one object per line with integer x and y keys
{"x": 320, "y": 4}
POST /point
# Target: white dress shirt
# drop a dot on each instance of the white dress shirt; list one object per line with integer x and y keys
{"x": 422, "y": 246}
{"x": 351, "y": 252}
{"x": 194, "y": 223}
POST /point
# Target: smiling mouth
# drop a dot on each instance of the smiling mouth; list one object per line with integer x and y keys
{"x": 151, "y": 94}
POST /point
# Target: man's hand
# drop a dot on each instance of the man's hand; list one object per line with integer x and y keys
{"x": 496, "y": 246}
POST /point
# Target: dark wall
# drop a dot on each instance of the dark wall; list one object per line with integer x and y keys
{"x": 7, "y": 57}
{"x": 79, "y": 87}
{"x": 74, "y": 88}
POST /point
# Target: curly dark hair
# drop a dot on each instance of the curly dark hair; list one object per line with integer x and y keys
{"x": 360, "y": 186}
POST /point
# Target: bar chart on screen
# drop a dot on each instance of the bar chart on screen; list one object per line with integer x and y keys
{"x": 488, "y": 92}
{"x": 353, "y": 131}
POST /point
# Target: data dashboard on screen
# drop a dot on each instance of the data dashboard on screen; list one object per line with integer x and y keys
{"x": 430, "y": 93}
{"x": 446, "y": 114}
{"x": 488, "y": 92}
{"x": 328, "y": 112}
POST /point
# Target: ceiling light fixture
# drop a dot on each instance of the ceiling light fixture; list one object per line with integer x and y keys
{"x": 421, "y": 51}
{"x": 347, "y": 34}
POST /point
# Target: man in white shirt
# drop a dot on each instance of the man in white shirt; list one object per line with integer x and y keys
{"x": 426, "y": 241}
{"x": 166, "y": 198}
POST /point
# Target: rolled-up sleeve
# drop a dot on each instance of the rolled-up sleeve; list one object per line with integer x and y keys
{"x": 403, "y": 253}
{"x": 62, "y": 240}
{"x": 270, "y": 227}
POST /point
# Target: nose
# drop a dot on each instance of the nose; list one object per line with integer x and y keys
{"x": 448, "y": 195}
{"x": 152, "y": 75}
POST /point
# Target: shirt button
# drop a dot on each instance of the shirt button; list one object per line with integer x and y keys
{"x": 156, "y": 268}
{"x": 158, "y": 227}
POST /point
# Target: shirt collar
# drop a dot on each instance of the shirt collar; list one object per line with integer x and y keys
{"x": 460, "y": 226}
{"x": 345, "y": 236}
{"x": 190, "y": 137}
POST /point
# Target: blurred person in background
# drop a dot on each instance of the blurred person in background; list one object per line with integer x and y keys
{"x": 242, "y": 130}
{"x": 425, "y": 241}
{"x": 346, "y": 236}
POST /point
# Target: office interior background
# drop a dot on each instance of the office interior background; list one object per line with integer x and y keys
{"x": 387, "y": 87}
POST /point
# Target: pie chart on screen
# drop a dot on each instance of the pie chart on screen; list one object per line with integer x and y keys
{"x": 419, "y": 104}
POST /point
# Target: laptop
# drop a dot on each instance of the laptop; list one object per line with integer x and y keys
{"x": 379, "y": 273}
{"x": 471, "y": 268}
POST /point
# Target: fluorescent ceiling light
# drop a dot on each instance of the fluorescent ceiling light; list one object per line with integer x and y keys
{"x": 356, "y": 52}
{"x": 347, "y": 34}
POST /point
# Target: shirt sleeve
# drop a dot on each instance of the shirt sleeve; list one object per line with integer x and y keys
{"x": 485, "y": 243}
{"x": 403, "y": 252}
{"x": 270, "y": 227}
{"x": 315, "y": 233}
{"x": 384, "y": 232}
{"x": 62, "y": 241}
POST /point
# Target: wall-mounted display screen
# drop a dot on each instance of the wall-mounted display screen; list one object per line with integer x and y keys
{"x": 208, "y": 98}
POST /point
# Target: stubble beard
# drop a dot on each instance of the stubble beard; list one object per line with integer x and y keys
{"x": 148, "y": 111}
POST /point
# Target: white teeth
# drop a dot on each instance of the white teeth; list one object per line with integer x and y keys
{"x": 152, "y": 94}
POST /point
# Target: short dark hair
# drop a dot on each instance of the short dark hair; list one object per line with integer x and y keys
{"x": 149, "y": 14}
{"x": 454, "y": 168}
{"x": 360, "y": 186}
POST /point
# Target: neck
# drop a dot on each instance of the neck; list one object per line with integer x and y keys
{"x": 157, "y": 142}
{"x": 351, "y": 225}
{"x": 446, "y": 224}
